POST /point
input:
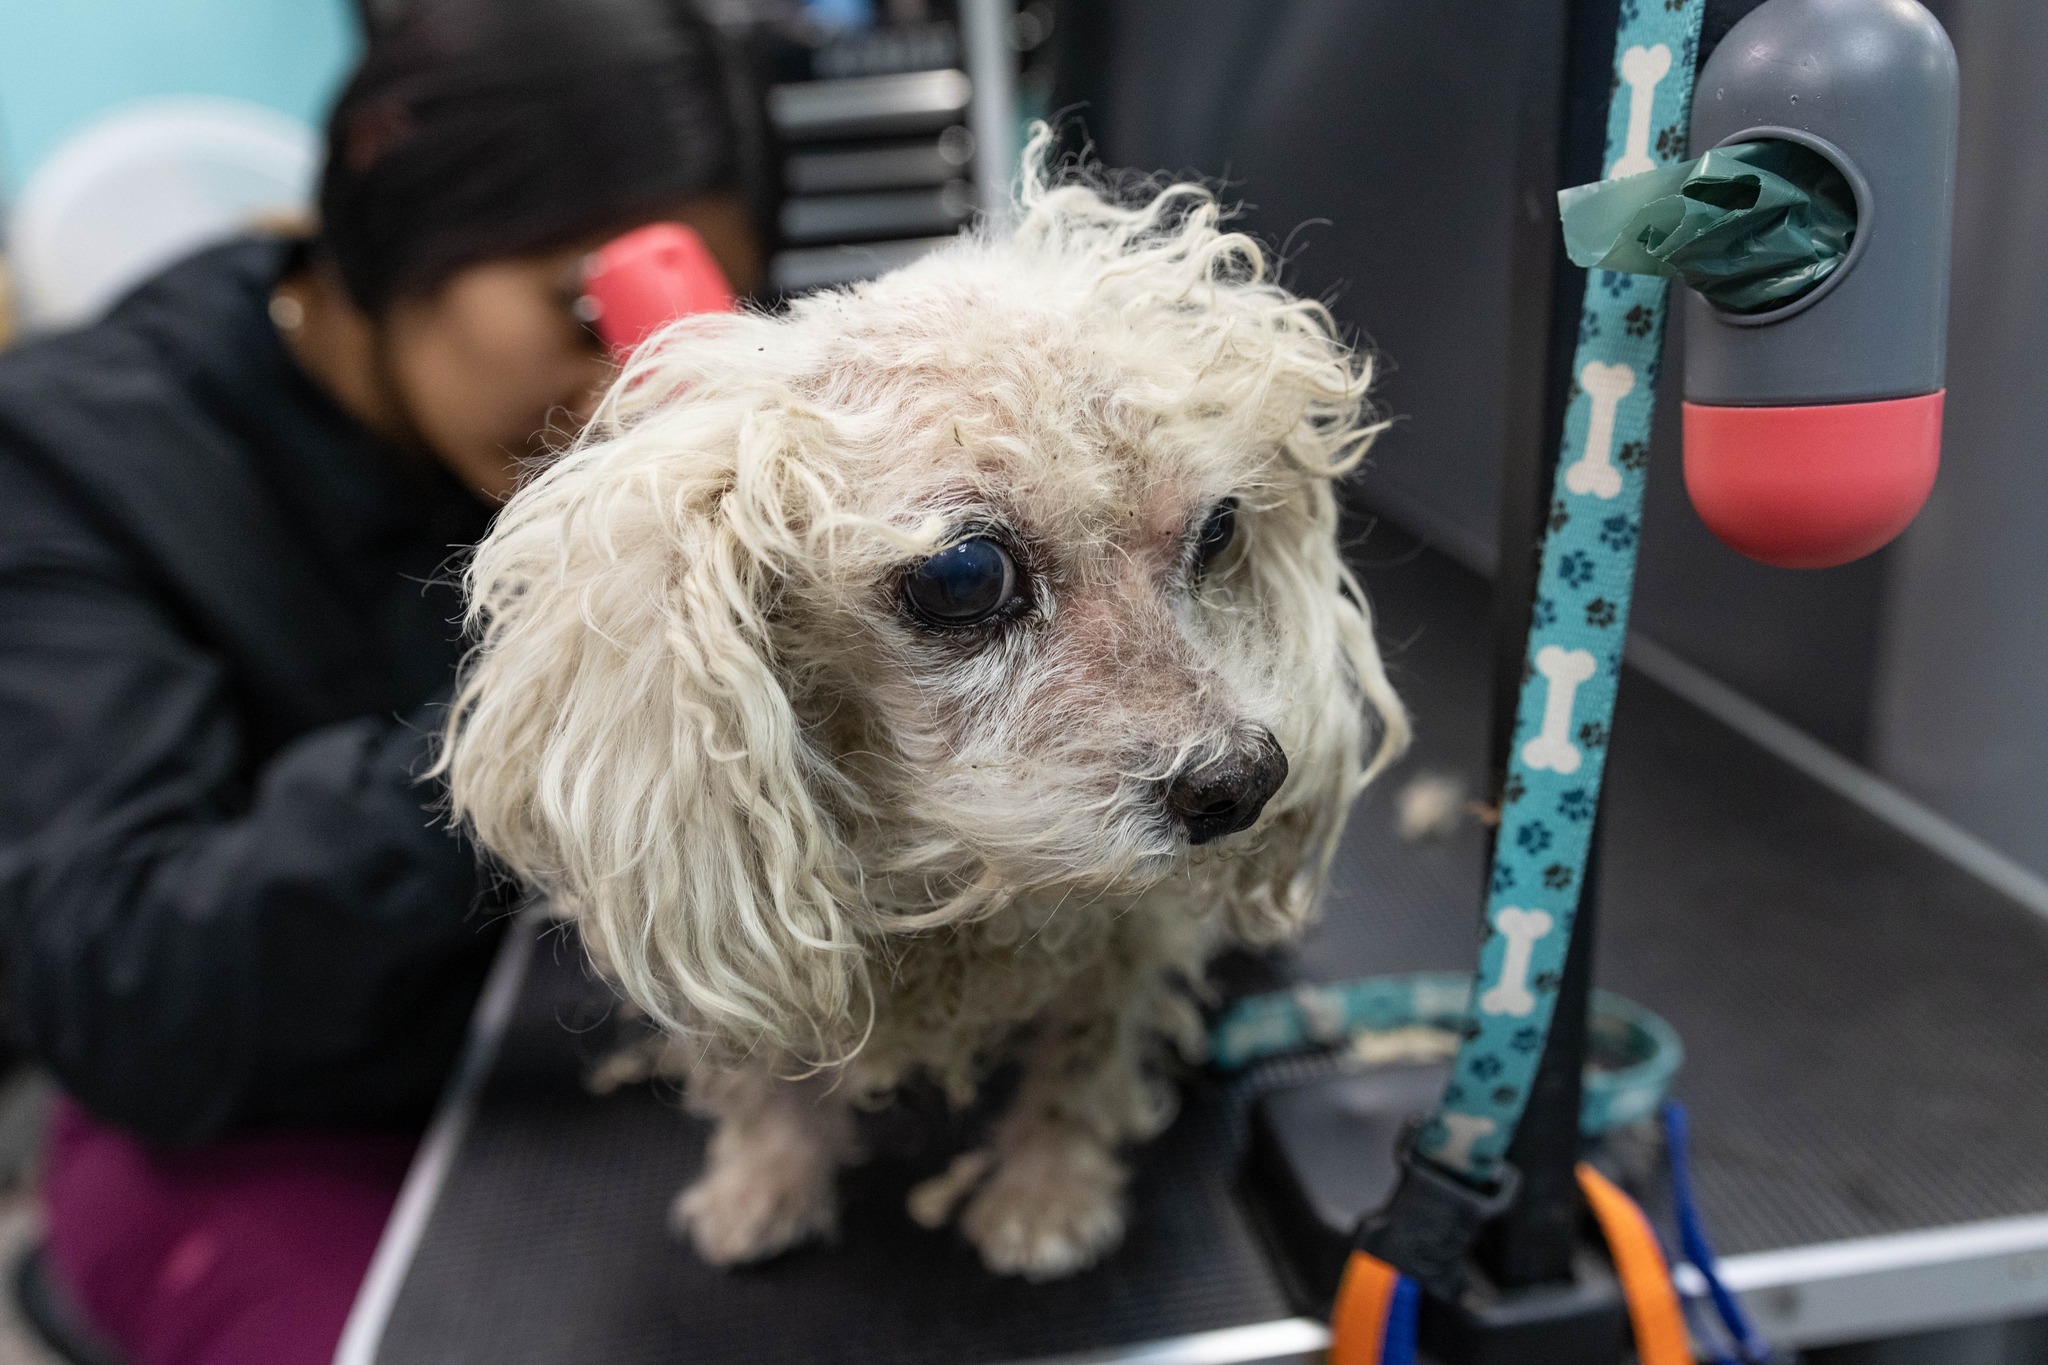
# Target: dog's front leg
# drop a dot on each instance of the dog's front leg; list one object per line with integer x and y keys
{"x": 768, "y": 1170}
{"x": 1051, "y": 1186}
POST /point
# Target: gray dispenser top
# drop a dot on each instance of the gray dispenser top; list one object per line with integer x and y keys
{"x": 1871, "y": 85}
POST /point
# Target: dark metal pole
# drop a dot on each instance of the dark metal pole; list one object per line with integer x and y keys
{"x": 1533, "y": 1242}
{"x": 1531, "y": 407}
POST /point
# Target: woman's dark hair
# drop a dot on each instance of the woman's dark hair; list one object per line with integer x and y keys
{"x": 479, "y": 129}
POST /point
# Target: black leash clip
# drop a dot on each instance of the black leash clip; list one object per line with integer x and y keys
{"x": 1428, "y": 1227}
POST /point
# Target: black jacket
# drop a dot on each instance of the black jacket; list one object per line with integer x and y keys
{"x": 226, "y": 629}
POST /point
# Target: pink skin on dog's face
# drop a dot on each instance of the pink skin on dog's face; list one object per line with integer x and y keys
{"x": 1045, "y": 738}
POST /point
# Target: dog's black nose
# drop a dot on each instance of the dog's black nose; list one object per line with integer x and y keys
{"x": 1222, "y": 793}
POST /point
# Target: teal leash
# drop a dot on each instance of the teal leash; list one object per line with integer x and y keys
{"x": 1455, "y": 1176}
{"x": 1635, "y": 1053}
{"x": 1578, "y": 624}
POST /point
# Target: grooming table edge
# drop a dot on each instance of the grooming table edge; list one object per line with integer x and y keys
{"x": 363, "y": 1334}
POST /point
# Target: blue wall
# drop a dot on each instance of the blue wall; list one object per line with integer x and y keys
{"x": 64, "y": 62}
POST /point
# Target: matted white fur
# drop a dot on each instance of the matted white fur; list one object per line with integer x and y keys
{"x": 809, "y": 835}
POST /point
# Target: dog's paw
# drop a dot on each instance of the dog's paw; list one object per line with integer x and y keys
{"x": 743, "y": 1211}
{"x": 1048, "y": 1210}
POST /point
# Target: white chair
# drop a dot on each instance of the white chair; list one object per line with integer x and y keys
{"x": 136, "y": 189}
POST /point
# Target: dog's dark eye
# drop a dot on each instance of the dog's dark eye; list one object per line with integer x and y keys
{"x": 962, "y": 585}
{"x": 1216, "y": 534}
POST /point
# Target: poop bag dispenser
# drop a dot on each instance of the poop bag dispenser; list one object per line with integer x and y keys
{"x": 1813, "y": 236}
{"x": 1752, "y": 227}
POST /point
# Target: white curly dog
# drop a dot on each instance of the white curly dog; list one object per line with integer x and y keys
{"x": 936, "y": 675}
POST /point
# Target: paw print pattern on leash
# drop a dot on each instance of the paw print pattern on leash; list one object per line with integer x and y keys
{"x": 1572, "y": 665}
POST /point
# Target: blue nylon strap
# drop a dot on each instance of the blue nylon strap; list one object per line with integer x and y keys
{"x": 1404, "y": 1321}
{"x": 1575, "y": 638}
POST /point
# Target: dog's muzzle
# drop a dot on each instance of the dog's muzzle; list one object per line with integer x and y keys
{"x": 1221, "y": 793}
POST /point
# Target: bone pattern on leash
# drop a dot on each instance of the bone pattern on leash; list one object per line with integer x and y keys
{"x": 1322, "y": 1013}
{"x": 1552, "y": 748}
{"x": 1594, "y": 471}
{"x": 1521, "y": 928}
{"x": 1461, "y": 1131}
{"x": 1642, "y": 68}
{"x": 1579, "y": 622}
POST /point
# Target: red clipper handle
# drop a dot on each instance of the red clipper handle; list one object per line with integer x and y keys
{"x": 635, "y": 285}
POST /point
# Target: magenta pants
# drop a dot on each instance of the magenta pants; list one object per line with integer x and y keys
{"x": 245, "y": 1252}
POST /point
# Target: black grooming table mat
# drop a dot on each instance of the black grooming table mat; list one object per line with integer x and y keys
{"x": 1864, "y": 1027}
{"x": 550, "y": 1246}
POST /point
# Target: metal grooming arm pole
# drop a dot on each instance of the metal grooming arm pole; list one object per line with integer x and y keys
{"x": 1562, "y": 117}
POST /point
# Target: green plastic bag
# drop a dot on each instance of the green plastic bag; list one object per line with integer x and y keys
{"x": 1752, "y": 227}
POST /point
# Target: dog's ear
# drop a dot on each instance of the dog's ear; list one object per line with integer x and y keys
{"x": 624, "y": 740}
{"x": 1342, "y": 700}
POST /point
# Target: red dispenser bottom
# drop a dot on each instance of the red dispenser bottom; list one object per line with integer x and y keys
{"x": 1812, "y": 487}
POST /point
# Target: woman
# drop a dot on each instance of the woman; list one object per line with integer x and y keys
{"x": 234, "y": 928}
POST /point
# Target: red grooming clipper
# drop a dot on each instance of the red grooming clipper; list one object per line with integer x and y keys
{"x": 635, "y": 285}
